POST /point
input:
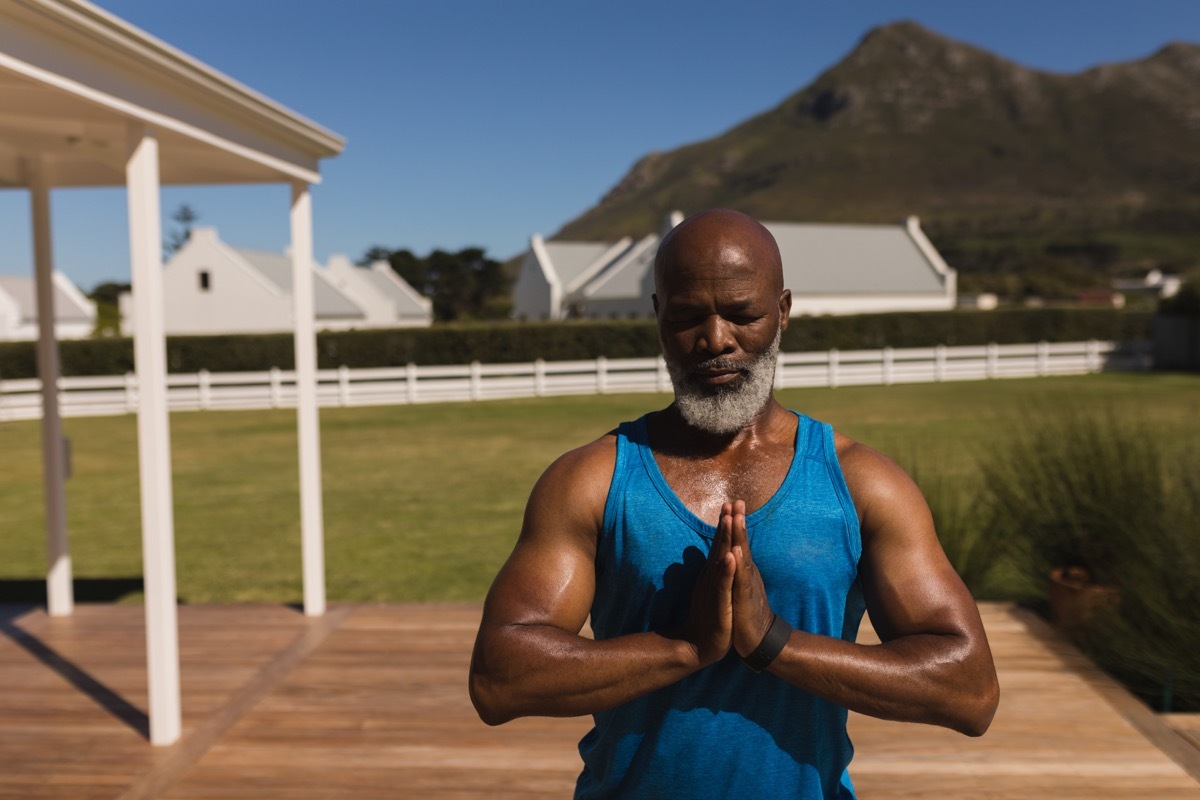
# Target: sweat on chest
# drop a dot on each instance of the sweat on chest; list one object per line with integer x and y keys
{"x": 656, "y": 568}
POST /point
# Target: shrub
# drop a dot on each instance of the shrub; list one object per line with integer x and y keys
{"x": 508, "y": 342}
{"x": 1072, "y": 493}
{"x": 1095, "y": 491}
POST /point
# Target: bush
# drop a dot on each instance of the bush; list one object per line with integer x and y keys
{"x": 1072, "y": 494}
{"x": 1096, "y": 492}
{"x": 584, "y": 339}
{"x": 1152, "y": 641}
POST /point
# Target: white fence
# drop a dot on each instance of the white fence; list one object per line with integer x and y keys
{"x": 97, "y": 396}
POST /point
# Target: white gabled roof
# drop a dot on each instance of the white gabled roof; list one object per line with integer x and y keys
{"x": 625, "y": 277}
{"x": 328, "y": 302}
{"x": 853, "y": 259}
{"x": 69, "y": 306}
{"x": 408, "y": 300}
{"x": 570, "y": 260}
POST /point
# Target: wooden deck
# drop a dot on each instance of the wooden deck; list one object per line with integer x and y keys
{"x": 371, "y": 702}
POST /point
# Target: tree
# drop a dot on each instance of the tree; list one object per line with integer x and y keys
{"x": 462, "y": 285}
{"x": 185, "y": 215}
{"x": 108, "y": 316}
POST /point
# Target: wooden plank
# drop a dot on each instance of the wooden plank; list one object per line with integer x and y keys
{"x": 184, "y": 755}
{"x": 375, "y": 705}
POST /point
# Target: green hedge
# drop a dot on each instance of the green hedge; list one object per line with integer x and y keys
{"x": 558, "y": 341}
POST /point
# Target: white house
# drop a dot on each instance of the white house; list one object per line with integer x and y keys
{"x": 387, "y": 300}
{"x": 210, "y": 287}
{"x": 75, "y": 315}
{"x": 830, "y": 268}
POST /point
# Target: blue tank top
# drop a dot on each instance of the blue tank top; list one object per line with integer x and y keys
{"x": 724, "y": 731}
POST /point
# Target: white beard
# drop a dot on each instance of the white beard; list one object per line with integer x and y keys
{"x": 725, "y": 410}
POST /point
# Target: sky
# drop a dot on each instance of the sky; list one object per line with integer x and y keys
{"x": 481, "y": 122}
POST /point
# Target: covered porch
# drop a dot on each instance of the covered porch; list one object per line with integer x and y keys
{"x": 88, "y": 100}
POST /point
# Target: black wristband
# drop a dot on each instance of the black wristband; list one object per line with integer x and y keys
{"x": 771, "y": 645}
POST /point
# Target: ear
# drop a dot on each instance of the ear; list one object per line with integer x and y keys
{"x": 785, "y": 308}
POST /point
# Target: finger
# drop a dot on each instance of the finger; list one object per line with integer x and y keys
{"x": 724, "y": 538}
{"x": 738, "y": 535}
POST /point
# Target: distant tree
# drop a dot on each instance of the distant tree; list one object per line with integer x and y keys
{"x": 462, "y": 285}
{"x": 108, "y": 292}
{"x": 108, "y": 316}
{"x": 184, "y": 216}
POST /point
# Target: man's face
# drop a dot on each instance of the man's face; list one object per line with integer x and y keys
{"x": 720, "y": 318}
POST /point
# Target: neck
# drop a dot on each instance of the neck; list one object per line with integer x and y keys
{"x": 679, "y": 436}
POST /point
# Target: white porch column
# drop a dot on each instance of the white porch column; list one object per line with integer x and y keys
{"x": 312, "y": 526}
{"x": 60, "y": 595}
{"x": 154, "y": 446}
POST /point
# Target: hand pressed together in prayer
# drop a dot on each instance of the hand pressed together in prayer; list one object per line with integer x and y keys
{"x": 729, "y": 602}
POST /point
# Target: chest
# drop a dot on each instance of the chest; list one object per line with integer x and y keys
{"x": 704, "y": 485}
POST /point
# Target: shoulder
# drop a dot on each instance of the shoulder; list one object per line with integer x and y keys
{"x": 573, "y": 490}
{"x": 878, "y": 485}
{"x": 592, "y": 462}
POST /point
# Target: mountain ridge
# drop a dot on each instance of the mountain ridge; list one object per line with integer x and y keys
{"x": 911, "y": 122}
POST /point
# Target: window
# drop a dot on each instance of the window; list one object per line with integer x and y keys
{"x": 205, "y": 283}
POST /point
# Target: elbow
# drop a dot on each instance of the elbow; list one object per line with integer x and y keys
{"x": 485, "y": 701}
{"x": 488, "y": 700}
{"x": 976, "y": 710}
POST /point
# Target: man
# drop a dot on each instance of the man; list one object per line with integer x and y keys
{"x": 726, "y": 548}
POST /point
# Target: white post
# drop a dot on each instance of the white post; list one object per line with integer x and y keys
{"x": 1093, "y": 356}
{"x": 131, "y": 397}
{"x": 939, "y": 363}
{"x": 1043, "y": 359}
{"x": 276, "y": 387}
{"x": 312, "y": 526}
{"x": 204, "y": 387}
{"x": 154, "y": 446}
{"x": 60, "y": 595}
{"x": 539, "y": 378}
{"x": 601, "y": 375}
{"x": 410, "y": 382}
{"x": 993, "y": 359}
{"x": 476, "y": 381}
{"x": 833, "y": 368}
{"x": 343, "y": 385}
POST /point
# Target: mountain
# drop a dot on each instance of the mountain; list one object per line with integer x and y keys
{"x": 1104, "y": 162}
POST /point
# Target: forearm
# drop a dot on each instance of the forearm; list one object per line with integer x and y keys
{"x": 540, "y": 670}
{"x": 939, "y": 679}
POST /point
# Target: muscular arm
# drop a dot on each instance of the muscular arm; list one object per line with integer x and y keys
{"x": 530, "y": 658}
{"x": 934, "y": 664}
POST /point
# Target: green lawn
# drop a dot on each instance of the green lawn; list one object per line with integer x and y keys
{"x": 424, "y": 502}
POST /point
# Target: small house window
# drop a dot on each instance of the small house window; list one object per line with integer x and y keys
{"x": 204, "y": 280}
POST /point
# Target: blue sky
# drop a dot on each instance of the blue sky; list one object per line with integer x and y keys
{"x": 479, "y": 122}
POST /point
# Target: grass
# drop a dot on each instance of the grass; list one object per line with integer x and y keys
{"x": 423, "y": 503}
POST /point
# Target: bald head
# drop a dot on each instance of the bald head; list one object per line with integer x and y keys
{"x": 707, "y": 245}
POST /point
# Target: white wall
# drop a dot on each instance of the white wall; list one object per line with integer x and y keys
{"x": 533, "y": 295}
{"x": 816, "y": 305}
{"x": 238, "y": 300}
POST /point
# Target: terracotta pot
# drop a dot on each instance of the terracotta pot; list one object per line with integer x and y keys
{"x": 1074, "y": 599}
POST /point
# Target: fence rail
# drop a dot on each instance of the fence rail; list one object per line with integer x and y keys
{"x": 118, "y": 394}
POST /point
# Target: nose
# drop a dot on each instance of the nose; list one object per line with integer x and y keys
{"x": 716, "y": 336}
